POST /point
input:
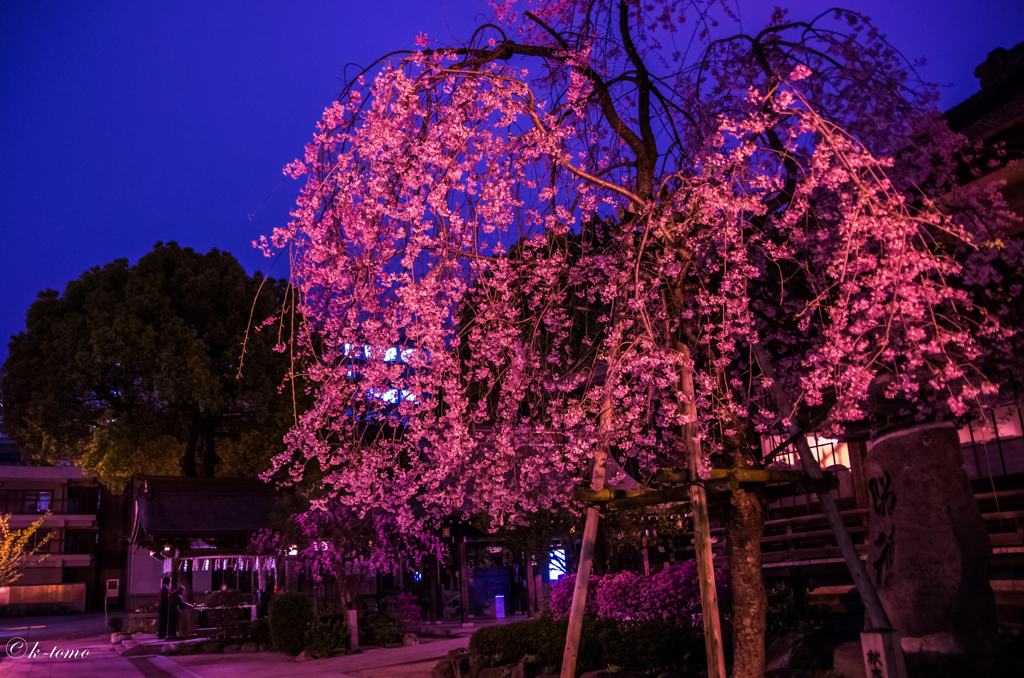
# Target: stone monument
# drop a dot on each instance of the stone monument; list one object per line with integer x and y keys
{"x": 929, "y": 549}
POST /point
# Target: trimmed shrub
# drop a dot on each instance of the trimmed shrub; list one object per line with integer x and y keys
{"x": 259, "y": 632}
{"x": 325, "y": 636}
{"x": 377, "y": 628}
{"x": 407, "y": 609}
{"x": 290, "y": 616}
{"x": 649, "y": 646}
{"x": 229, "y": 598}
{"x": 232, "y": 623}
{"x": 561, "y": 595}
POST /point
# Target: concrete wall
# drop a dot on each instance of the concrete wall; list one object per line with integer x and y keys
{"x": 40, "y": 576}
{"x": 70, "y": 595}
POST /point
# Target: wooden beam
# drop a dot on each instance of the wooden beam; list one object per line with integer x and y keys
{"x": 684, "y": 493}
{"x": 751, "y": 475}
{"x": 601, "y": 496}
{"x": 722, "y": 481}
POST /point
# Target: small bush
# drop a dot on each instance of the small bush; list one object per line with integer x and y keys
{"x": 673, "y": 594}
{"x": 232, "y": 623}
{"x": 228, "y": 598}
{"x": 325, "y": 636}
{"x": 137, "y": 625}
{"x": 407, "y": 609}
{"x": 116, "y": 624}
{"x": 649, "y": 646}
{"x": 784, "y": 615}
{"x": 376, "y": 628}
{"x": 290, "y": 616}
{"x": 259, "y": 632}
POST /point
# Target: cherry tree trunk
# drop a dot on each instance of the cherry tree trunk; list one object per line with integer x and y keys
{"x": 744, "y": 527}
{"x": 929, "y": 549}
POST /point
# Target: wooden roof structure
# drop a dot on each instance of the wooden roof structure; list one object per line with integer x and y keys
{"x": 179, "y": 511}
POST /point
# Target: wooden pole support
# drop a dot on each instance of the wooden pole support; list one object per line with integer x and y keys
{"x": 701, "y": 524}
{"x": 876, "y": 616}
{"x": 579, "y": 592}
{"x": 463, "y": 582}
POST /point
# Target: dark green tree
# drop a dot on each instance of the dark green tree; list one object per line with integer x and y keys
{"x": 135, "y": 369}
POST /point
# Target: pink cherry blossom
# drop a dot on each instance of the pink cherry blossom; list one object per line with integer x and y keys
{"x": 489, "y": 249}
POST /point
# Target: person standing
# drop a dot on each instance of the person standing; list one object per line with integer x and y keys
{"x": 175, "y": 603}
{"x": 516, "y": 591}
{"x": 161, "y": 611}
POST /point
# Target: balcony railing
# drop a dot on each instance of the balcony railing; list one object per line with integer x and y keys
{"x": 21, "y": 506}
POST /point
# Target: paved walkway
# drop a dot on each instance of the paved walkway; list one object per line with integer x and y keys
{"x": 400, "y": 662}
{"x": 81, "y": 658}
{"x": 50, "y": 648}
{"x": 52, "y": 627}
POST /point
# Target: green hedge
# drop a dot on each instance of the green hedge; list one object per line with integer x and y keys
{"x": 636, "y": 646}
{"x": 290, "y": 616}
{"x": 377, "y": 628}
{"x": 325, "y": 636}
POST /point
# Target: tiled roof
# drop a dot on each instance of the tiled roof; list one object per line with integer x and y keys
{"x": 1000, "y": 103}
{"x": 196, "y": 508}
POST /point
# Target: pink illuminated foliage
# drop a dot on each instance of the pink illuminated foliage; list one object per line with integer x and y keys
{"x": 671, "y": 595}
{"x": 534, "y": 222}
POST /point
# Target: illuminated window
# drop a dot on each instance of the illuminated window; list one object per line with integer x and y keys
{"x": 827, "y": 451}
{"x": 556, "y": 564}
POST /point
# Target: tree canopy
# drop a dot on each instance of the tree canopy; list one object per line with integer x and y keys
{"x": 135, "y": 369}
{"x": 793, "y": 188}
{"x": 597, "y": 226}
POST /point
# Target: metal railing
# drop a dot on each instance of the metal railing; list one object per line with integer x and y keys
{"x": 64, "y": 507}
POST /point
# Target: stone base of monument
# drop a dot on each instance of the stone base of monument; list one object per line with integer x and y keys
{"x": 883, "y": 654}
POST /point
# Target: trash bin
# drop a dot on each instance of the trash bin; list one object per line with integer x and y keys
{"x": 499, "y": 607}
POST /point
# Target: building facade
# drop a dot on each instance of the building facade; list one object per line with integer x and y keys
{"x": 64, "y": 572}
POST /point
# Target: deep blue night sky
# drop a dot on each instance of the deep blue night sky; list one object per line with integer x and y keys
{"x": 125, "y": 123}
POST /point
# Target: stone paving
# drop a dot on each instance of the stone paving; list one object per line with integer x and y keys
{"x": 415, "y": 661}
{"x": 92, "y": 657}
{"x": 54, "y": 626}
{"x": 44, "y": 654}
{"x": 96, "y": 658}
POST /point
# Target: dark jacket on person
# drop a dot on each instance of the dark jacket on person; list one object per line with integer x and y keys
{"x": 161, "y": 612}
